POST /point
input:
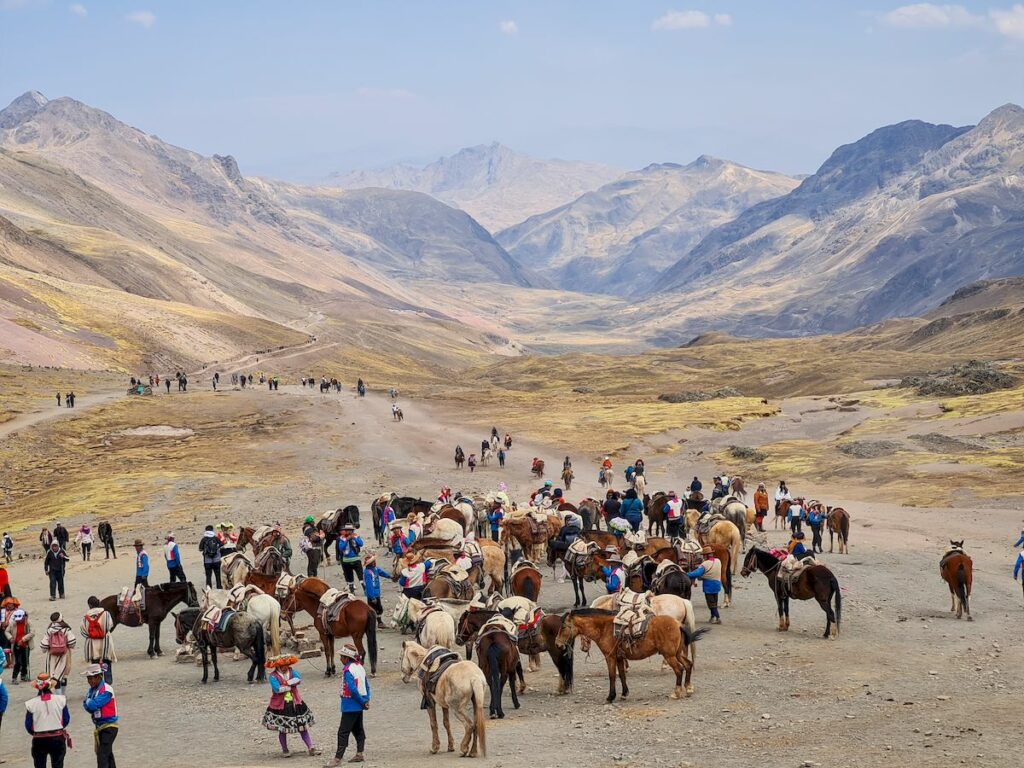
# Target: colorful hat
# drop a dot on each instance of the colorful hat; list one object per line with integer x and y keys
{"x": 44, "y": 682}
{"x": 285, "y": 660}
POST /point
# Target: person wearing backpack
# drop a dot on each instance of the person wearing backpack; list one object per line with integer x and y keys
{"x": 98, "y": 648}
{"x": 57, "y": 642}
{"x": 209, "y": 546}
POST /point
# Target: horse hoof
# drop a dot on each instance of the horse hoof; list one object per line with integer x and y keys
{"x": 970, "y": 618}
{"x": 434, "y": 750}
{"x": 689, "y": 691}
{"x": 675, "y": 695}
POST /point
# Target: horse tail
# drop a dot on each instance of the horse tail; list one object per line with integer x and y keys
{"x": 690, "y": 638}
{"x": 691, "y": 627}
{"x": 478, "y": 716}
{"x": 275, "y": 629}
{"x": 961, "y": 584}
{"x": 838, "y": 593}
{"x": 371, "y": 638}
{"x": 734, "y": 552}
{"x": 494, "y": 672}
{"x": 845, "y": 529}
{"x": 259, "y": 646}
{"x": 529, "y": 588}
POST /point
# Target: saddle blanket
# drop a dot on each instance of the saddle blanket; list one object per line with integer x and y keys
{"x": 522, "y": 608}
{"x": 421, "y": 622}
{"x": 636, "y": 540}
{"x": 707, "y": 522}
{"x": 332, "y": 602}
{"x": 132, "y": 600}
{"x": 285, "y": 584}
{"x": 239, "y": 594}
{"x": 434, "y": 665}
{"x": 216, "y": 619}
{"x": 663, "y": 571}
{"x": 524, "y": 563}
{"x": 630, "y": 623}
{"x": 499, "y": 623}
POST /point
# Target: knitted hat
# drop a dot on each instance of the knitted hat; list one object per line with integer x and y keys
{"x": 44, "y": 682}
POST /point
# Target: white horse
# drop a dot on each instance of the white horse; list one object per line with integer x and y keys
{"x": 605, "y": 477}
{"x": 262, "y": 607}
{"x": 438, "y": 627}
{"x": 485, "y": 457}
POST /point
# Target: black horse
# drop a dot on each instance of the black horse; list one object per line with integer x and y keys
{"x": 157, "y": 604}
{"x": 330, "y": 529}
{"x": 815, "y": 581}
{"x": 241, "y": 631}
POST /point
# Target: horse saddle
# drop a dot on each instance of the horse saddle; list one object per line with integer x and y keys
{"x": 578, "y": 553}
{"x": 332, "y": 603}
{"x": 230, "y": 559}
{"x": 520, "y": 564}
{"x": 238, "y": 595}
{"x": 269, "y": 561}
{"x": 707, "y": 522}
{"x": 949, "y": 554}
{"x": 422, "y": 620}
{"x": 633, "y": 617}
{"x": 434, "y": 665}
{"x": 471, "y": 548}
{"x": 330, "y": 517}
{"x": 688, "y": 552}
{"x": 636, "y": 540}
{"x": 792, "y": 567}
{"x": 131, "y": 602}
{"x": 216, "y": 619}
{"x": 499, "y": 623}
{"x": 663, "y": 571}
{"x": 285, "y": 584}
{"x": 537, "y": 527}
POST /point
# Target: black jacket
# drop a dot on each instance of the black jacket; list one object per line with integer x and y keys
{"x": 55, "y": 562}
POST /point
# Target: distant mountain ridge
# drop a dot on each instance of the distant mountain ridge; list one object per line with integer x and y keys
{"x": 494, "y": 184}
{"x": 618, "y": 238}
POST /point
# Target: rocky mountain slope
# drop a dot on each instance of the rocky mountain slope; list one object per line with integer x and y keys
{"x": 495, "y": 185}
{"x": 617, "y": 239}
{"x": 888, "y": 227}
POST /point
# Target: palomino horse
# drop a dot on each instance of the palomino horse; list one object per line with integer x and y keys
{"x": 242, "y": 632}
{"x": 461, "y": 688}
{"x": 723, "y": 533}
{"x": 497, "y": 655}
{"x": 957, "y": 570}
{"x": 436, "y": 628}
{"x": 839, "y": 525}
{"x": 815, "y": 581}
{"x": 157, "y": 602}
{"x": 525, "y": 582}
{"x": 356, "y": 620}
{"x": 605, "y": 477}
{"x": 664, "y": 636}
{"x": 567, "y": 476}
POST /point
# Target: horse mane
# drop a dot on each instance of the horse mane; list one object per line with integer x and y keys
{"x": 592, "y": 612}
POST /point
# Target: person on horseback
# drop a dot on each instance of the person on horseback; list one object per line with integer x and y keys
{"x": 614, "y": 573}
{"x": 445, "y": 496}
{"x": 227, "y": 537}
{"x": 760, "y": 506}
{"x": 638, "y": 466}
{"x": 607, "y": 463}
{"x": 508, "y": 441}
{"x": 630, "y": 471}
{"x": 710, "y": 574}
{"x": 633, "y": 510}
{"x": 611, "y": 505}
{"x": 696, "y": 486}
{"x": 571, "y": 530}
{"x": 567, "y": 463}
{"x": 460, "y": 455}
{"x": 781, "y": 495}
{"x": 719, "y": 491}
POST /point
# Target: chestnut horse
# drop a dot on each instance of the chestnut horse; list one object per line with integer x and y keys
{"x": 356, "y": 620}
{"x": 957, "y": 570}
{"x": 525, "y": 582}
{"x": 839, "y": 525}
{"x": 815, "y": 581}
{"x": 664, "y": 636}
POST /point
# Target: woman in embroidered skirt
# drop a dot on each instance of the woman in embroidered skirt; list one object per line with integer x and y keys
{"x": 287, "y": 712}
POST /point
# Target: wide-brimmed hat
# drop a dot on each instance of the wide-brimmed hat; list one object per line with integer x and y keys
{"x": 613, "y": 557}
{"x": 138, "y": 543}
{"x": 92, "y": 670}
{"x": 707, "y": 551}
{"x": 348, "y": 650}
{"x": 410, "y": 557}
{"x": 44, "y": 682}
{"x": 348, "y": 527}
{"x": 395, "y": 524}
{"x": 284, "y": 660}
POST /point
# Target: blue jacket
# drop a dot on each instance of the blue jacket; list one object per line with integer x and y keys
{"x": 3, "y": 697}
{"x": 1018, "y": 566}
{"x": 407, "y": 540}
{"x": 142, "y": 564}
{"x": 799, "y": 549}
{"x": 95, "y": 700}
{"x": 351, "y": 699}
{"x": 348, "y": 549}
{"x": 612, "y": 579}
{"x": 1020, "y": 541}
{"x": 177, "y": 558}
{"x": 495, "y": 516}
{"x": 632, "y": 509}
{"x": 371, "y": 580}
{"x": 814, "y": 519}
{"x": 711, "y": 586}
{"x": 696, "y": 486}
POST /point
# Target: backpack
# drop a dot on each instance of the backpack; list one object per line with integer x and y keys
{"x": 58, "y": 643}
{"x": 94, "y": 628}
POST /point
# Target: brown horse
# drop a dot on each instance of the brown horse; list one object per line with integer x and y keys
{"x": 957, "y": 570}
{"x": 537, "y": 468}
{"x": 356, "y": 620}
{"x": 158, "y": 601}
{"x": 590, "y": 511}
{"x": 815, "y": 581}
{"x": 721, "y": 553}
{"x": 567, "y": 477}
{"x": 781, "y": 510}
{"x": 525, "y": 582}
{"x": 839, "y": 525}
{"x": 497, "y": 655}
{"x": 449, "y": 512}
{"x": 532, "y": 540}
{"x": 656, "y": 513}
{"x": 443, "y": 588}
{"x": 664, "y": 636}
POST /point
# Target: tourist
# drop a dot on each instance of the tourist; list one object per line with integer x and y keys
{"x": 5, "y": 582}
{"x": 19, "y": 636}
{"x": 97, "y": 624}
{"x": 633, "y": 510}
{"x": 760, "y": 506}
{"x": 141, "y": 564}
{"x": 501, "y": 457}
{"x": 60, "y": 533}
{"x": 57, "y": 642}
{"x": 696, "y": 485}
{"x": 710, "y": 574}
{"x": 84, "y": 541}
{"x": 816, "y": 519}
{"x": 101, "y": 705}
{"x": 172, "y": 556}
{"x": 355, "y": 699}
{"x": 371, "y": 584}
{"x": 8, "y": 547}
{"x": 47, "y": 719}
{"x": 312, "y": 546}
{"x": 287, "y": 712}
{"x": 209, "y": 546}
{"x": 58, "y": 400}
{"x": 45, "y": 539}
{"x": 54, "y": 566}
{"x": 349, "y": 546}
{"x": 227, "y": 537}
{"x": 107, "y": 537}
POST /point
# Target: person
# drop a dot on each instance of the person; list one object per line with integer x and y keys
{"x": 98, "y": 648}
{"x": 673, "y": 511}
{"x": 400, "y": 541}
{"x": 58, "y": 400}
{"x": 414, "y": 576}
{"x": 629, "y": 473}
{"x": 349, "y": 545}
{"x": 107, "y": 537}
{"x": 495, "y": 517}
{"x": 781, "y": 495}
{"x": 571, "y": 530}
{"x": 567, "y": 463}
{"x": 696, "y": 486}
{"x": 312, "y": 546}
{"x": 9, "y": 546}
{"x": 795, "y": 515}
{"x": 633, "y": 510}
{"x": 167, "y": 383}
{"x": 8, "y": 606}
{"x": 84, "y": 541}
{"x": 471, "y": 462}
{"x": 796, "y": 545}
{"x": 19, "y": 636}
{"x": 54, "y": 566}
{"x": 816, "y": 519}
{"x": 501, "y": 457}
{"x": 607, "y": 463}
{"x": 355, "y": 699}
{"x": 612, "y": 505}
{"x": 1018, "y": 567}
{"x": 209, "y": 546}
{"x": 172, "y": 556}
{"x": 614, "y": 574}
{"x": 141, "y": 564}
{"x": 57, "y": 642}
{"x": 710, "y": 574}
{"x": 371, "y": 584}
{"x": 45, "y": 538}
{"x": 4, "y": 697}
{"x": 445, "y": 496}
{"x": 227, "y": 538}
{"x": 70, "y": 399}
{"x": 101, "y": 705}
{"x": 719, "y": 491}
{"x": 46, "y": 720}
{"x": 5, "y": 582}
{"x": 287, "y": 712}
{"x": 60, "y": 533}
{"x": 760, "y": 506}
{"x": 1018, "y": 543}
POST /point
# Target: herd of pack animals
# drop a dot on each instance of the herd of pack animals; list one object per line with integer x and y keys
{"x": 493, "y": 608}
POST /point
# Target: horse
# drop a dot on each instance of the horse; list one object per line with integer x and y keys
{"x": 459, "y": 687}
{"x": 497, "y": 655}
{"x": 330, "y": 526}
{"x": 781, "y": 510}
{"x": 242, "y": 631}
{"x": 356, "y": 620}
{"x": 158, "y": 601}
{"x": 673, "y": 606}
{"x": 521, "y": 530}
{"x": 735, "y": 511}
{"x": 262, "y": 607}
{"x": 664, "y": 636}
{"x": 957, "y": 570}
{"x": 720, "y": 552}
{"x": 737, "y": 489}
{"x": 656, "y": 513}
{"x": 838, "y": 520}
{"x": 450, "y": 512}
{"x": 525, "y": 582}
{"x": 436, "y": 628}
{"x": 723, "y": 533}
{"x": 537, "y": 468}
{"x": 814, "y": 581}
{"x": 441, "y": 588}
{"x": 675, "y": 582}
{"x": 590, "y": 511}
{"x": 246, "y": 537}
{"x": 460, "y": 458}
{"x": 567, "y": 476}
{"x": 576, "y": 573}
{"x": 235, "y": 567}
{"x": 605, "y": 476}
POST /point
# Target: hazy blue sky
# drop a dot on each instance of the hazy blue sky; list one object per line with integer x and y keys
{"x": 301, "y": 88}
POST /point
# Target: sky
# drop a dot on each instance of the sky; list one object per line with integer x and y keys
{"x": 298, "y": 90}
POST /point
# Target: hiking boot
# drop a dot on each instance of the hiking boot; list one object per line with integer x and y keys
{"x": 358, "y": 758}
{"x": 314, "y": 751}
{"x": 335, "y": 762}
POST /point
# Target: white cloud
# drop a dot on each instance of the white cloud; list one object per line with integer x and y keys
{"x": 79, "y": 10}
{"x": 1010, "y": 22}
{"x": 931, "y": 16}
{"x": 673, "y": 20}
{"x": 143, "y": 18}
{"x": 508, "y": 27}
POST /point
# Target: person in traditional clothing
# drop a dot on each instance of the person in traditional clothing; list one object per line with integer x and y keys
{"x": 98, "y": 648}
{"x": 46, "y": 719}
{"x": 172, "y": 556}
{"x": 287, "y": 712}
{"x": 141, "y": 564}
{"x": 710, "y": 574}
{"x": 57, "y": 642}
{"x": 414, "y": 576}
{"x": 371, "y": 585}
{"x": 19, "y": 635}
{"x": 614, "y": 574}
{"x": 102, "y": 707}
{"x": 355, "y": 699}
